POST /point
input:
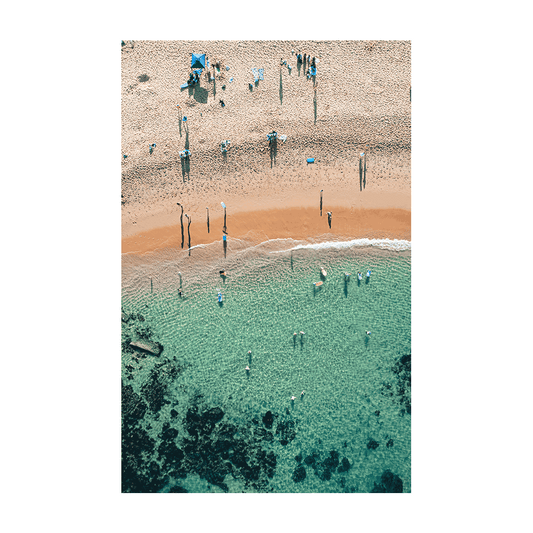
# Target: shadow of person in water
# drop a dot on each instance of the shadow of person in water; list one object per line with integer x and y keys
{"x": 292, "y": 265}
{"x": 345, "y": 287}
{"x": 364, "y": 172}
{"x": 367, "y": 340}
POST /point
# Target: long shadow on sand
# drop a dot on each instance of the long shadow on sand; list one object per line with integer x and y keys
{"x": 280, "y": 87}
{"x": 273, "y": 151}
{"x": 315, "y": 103}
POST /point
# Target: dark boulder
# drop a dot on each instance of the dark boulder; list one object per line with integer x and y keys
{"x": 372, "y": 444}
{"x": 298, "y": 458}
{"x": 344, "y": 466}
{"x": 299, "y": 474}
{"x": 390, "y": 443}
{"x": 268, "y": 419}
{"x": 389, "y": 483}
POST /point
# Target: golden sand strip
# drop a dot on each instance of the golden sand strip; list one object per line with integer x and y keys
{"x": 299, "y": 223}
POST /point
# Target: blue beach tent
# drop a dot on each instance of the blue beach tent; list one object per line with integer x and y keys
{"x": 198, "y": 61}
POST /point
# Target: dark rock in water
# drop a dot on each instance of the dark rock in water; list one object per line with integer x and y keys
{"x": 372, "y": 444}
{"x": 169, "y": 434}
{"x": 331, "y": 462}
{"x": 125, "y": 317}
{"x": 173, "y": 413}
{"x": 268, "y": 419}
{"x": 132, "y": 405}
{"x": 154, "y": 391}
{"x": 377, "y": 413}
{"x": 345, "y": 444}
{"x": 299, "y": 474}
{"x": 310, "y": 459}
{"x": 147, "y": 346}
{"x": 390, "y": 443}
{"x": 298, "y": 458}
{"x": 170, "y": 453}
{"x": 286, "y": 431}
{"x": 178, "y": 489}
{"x": 389, "y": 483}
{"x": 213, "y": 415}
{"x": 344, "y": 466}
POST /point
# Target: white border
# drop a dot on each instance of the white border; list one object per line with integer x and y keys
{"x": 419, "y": 33}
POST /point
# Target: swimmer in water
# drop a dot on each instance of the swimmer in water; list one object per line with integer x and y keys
{"x": 293, "y": 398}
{"x": 247, "y": 368}
{"x": 359, "y": 276}
{"x": 302, "y": 394}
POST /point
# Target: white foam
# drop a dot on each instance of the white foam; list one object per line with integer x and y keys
{"x": 387, "y": 244}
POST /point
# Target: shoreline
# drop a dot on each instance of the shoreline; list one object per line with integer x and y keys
{"x": 298, "y": 223}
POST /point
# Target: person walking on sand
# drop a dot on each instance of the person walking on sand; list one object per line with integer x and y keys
{"x": 329, "y": 219}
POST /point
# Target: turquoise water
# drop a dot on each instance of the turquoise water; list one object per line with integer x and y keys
{"x": 352, "y": 395}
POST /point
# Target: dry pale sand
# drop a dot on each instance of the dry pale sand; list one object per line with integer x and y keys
{"x": 360, "y": 102}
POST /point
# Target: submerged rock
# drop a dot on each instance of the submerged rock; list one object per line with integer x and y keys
{"x": 299, "y": 474}
{"x": 389, "y": 483}
{"x": 372, "y": 444}
{"x": 268, "y": 419}
{"x": 344, "y": 466}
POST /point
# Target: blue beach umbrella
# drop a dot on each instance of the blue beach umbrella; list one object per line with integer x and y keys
{"x": 223, "y": 205}
{"x": 198, "y": 61}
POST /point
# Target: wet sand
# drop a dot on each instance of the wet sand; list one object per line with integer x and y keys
{"x": 298, "y": 223}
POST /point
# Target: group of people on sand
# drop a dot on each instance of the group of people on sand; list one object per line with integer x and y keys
{"x": 193, "y": 78}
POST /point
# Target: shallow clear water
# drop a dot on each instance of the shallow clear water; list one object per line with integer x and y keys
{"x": 346, "y": 374}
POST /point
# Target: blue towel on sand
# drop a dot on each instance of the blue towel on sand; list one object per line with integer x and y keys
{"x": 310, "y": 159}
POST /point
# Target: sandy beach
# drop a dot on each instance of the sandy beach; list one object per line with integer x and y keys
{"x": 358, "y": 102}
{"x": 232, "y": 333}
